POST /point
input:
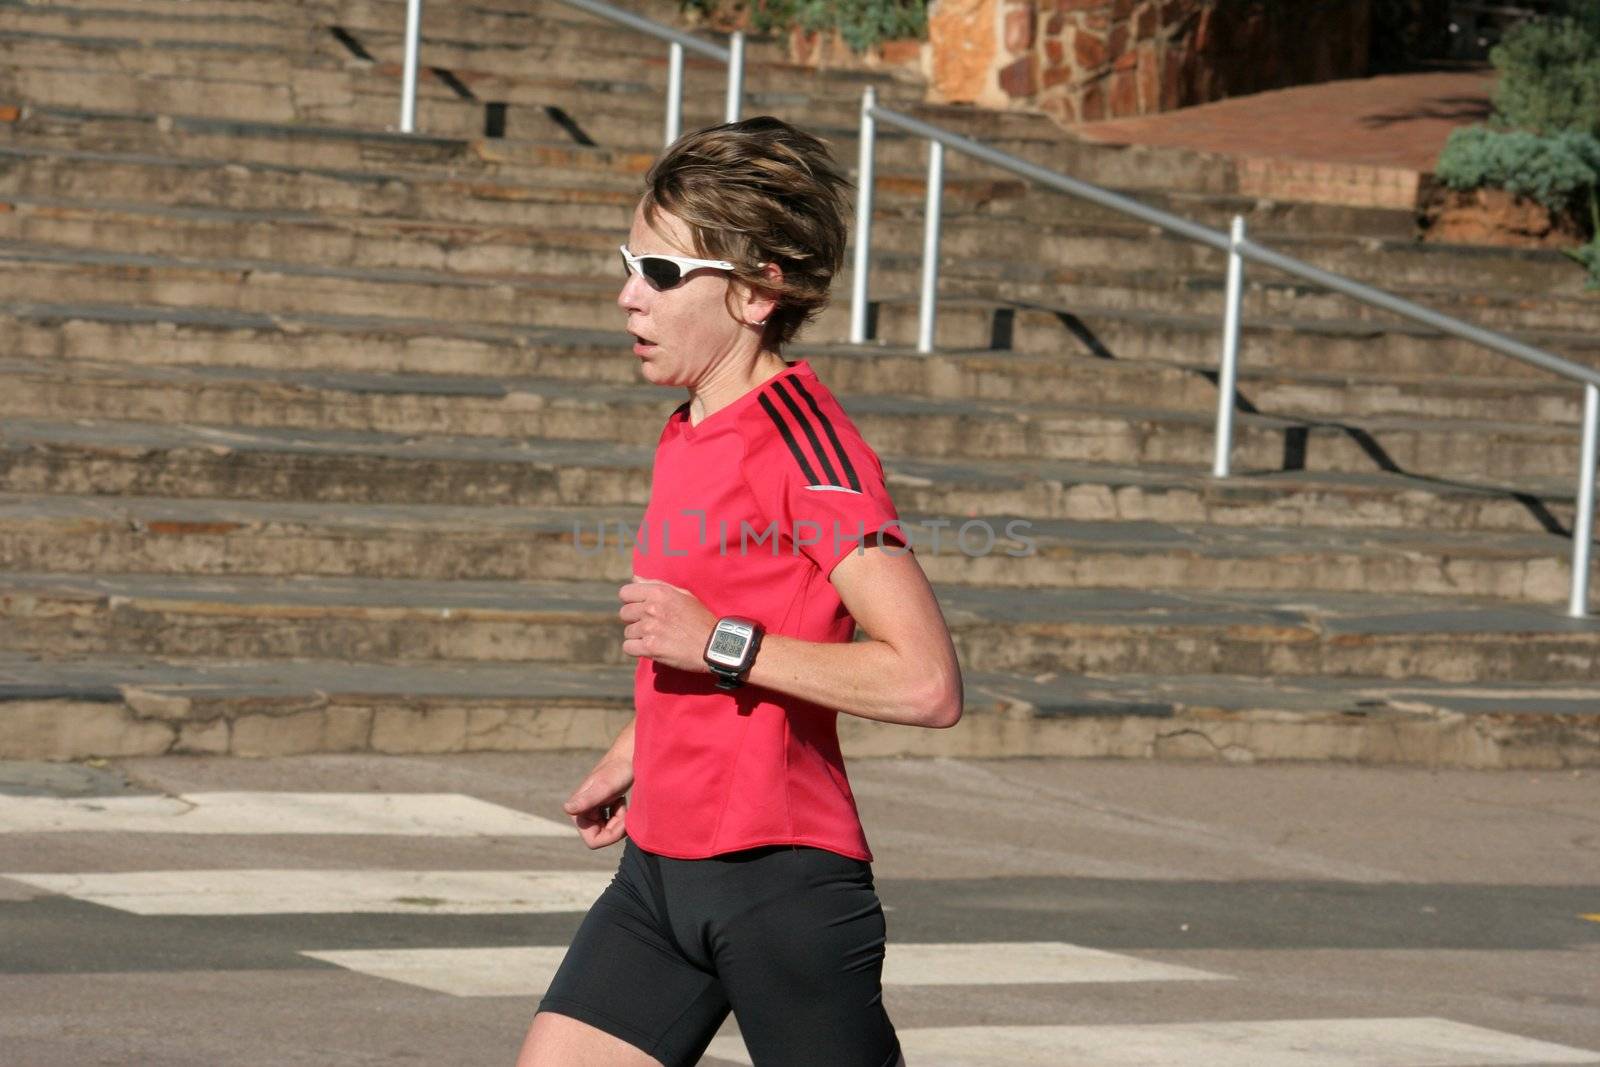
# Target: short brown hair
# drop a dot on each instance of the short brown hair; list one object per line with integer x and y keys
{"x": 759, "y": 191}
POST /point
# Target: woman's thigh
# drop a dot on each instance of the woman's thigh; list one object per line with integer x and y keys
{"x": 804, "y": 970}
{"x": 625, "y": 976}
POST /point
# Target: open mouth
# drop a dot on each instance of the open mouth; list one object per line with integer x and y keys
{"x": 642, "y": 345}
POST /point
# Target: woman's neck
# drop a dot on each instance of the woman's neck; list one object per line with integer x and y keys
{"x": 728, "y": 382}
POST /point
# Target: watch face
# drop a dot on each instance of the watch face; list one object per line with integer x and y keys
{"x": 729, "y": 645}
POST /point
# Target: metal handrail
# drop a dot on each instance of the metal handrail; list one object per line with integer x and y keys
{"x": 1238, "y": 249}
{"x": 677, "y": 40}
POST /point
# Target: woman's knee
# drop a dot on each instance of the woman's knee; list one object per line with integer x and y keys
{"x": 556, "y": 1040}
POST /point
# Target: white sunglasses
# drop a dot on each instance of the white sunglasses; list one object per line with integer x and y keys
{"x": 664, "y": 272}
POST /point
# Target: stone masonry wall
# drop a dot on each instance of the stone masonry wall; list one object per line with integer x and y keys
{"x": 1082, "y": 60}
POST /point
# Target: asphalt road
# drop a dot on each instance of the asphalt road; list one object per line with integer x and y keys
{"x": 1043, "y": 911}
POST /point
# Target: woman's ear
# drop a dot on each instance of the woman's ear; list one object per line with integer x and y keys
{"x": 761, "y": 301}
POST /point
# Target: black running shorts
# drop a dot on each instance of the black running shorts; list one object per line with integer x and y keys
{"x": 790, "y": 939}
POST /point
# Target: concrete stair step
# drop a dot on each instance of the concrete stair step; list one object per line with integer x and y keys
{"x": 1057, "y": 258}
{"x": 138, "y": 535}
{"x": 107, "y": 706}
{"x": 298, "y": 25}
{"x": 592, "y": 52}
{"x": 594, "y": 358}
{"x": 1136, "y": 326}
{"x": 246, "y": 399}
{"x": 471, "y": 57}
{"x": 522, "y": 24}
{"x": 1353, "y": 347}
{"x": 50, "y": 273}
{"x": 1135, "y": 246}
{"x": 165, "y": 9}
{"x": 546, "y": 184}
{"x": 1311, "y": 369}
{"x": 464, "y": 250}
{"x": 999, "y": 194}
{"x": 179, "y": 9}
{"x": 238, "y": 98}
{"x": 38, "y": 272}
{"x": 270, "y": 59}
{"x": 1186, "y": 383}
{"x": 157, "y": 27}
{"x": 1103, "y": 631}
{"x": 614, "y": 99}
{"x": 100, "y": 134}
{"x": 155, "y": 460}
{"x": 308, "y": 237}
{"x": 1029, "y": 283}
{"x": 205, "y": 144}
{"x": 339, "y": 192}
{"x": 305, "y": 95}
{"x": 124, "y": 458}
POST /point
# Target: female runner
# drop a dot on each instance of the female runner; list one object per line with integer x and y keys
{"x": 745, "y": 882}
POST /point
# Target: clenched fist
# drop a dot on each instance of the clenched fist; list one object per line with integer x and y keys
{"x": 665, "y": 623}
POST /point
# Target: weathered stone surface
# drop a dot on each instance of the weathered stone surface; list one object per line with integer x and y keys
{"x": 1088, "y": 49}
{"x": 214, "y": 738}
{"x": 1019, "y": 26}
{"x": 69, "y": 729}
{"x": 964, "y": 49}
{"x": 1185, "y": 52}
{"x": 423, "y": 729}
{"x": 1020, "y": 78}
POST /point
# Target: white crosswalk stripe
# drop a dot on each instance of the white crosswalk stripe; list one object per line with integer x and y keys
{"x": 1014, "y": 963}
{"x": 460, "y": 972}
{"x": 283, "y": 892}
{"x": 526, "y": 971}
{"x": 505, "y": 972}
{"x": 1275, "y": 1043}
{"x": 410, "y": 814}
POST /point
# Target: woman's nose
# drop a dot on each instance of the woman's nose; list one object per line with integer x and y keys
{"x": 634, "y": 293}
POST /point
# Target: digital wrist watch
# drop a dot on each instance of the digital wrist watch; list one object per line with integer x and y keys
{"x": 731, "y": 650}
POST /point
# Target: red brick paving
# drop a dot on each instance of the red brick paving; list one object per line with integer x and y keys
{"x": 1378, "y": 133}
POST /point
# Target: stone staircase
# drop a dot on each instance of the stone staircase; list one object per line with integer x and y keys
{"x": 298, "y": 416}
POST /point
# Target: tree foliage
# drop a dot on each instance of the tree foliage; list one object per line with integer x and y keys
{"x": 861, "y": 23}
{"x": 1550, "y": 74}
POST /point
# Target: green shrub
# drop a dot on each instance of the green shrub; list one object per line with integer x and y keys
{"x": 1553, "y": 170}
{"x": 1550, "y": 75}
{"x": 1588, "y": 256}
{"x": 862, "y": 23}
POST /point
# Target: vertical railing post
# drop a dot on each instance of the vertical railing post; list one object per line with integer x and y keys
{"x": 864, "y": 179}
{"x": 1583, "y": 522}
{"x": 674, "y": 91}
{"x": 408, "y": 77}
{"x": 735, "y": 77}
{"x": 928, "y": 306}
{"x": 1228, "y": 374}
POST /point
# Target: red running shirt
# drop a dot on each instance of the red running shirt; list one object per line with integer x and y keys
{"x": 750, "y": 511}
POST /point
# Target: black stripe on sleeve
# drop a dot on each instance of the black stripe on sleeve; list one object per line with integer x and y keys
{"x": 811, "y": 435}
{"x": 794, "y": 446}
{"x": 827, "y": 428}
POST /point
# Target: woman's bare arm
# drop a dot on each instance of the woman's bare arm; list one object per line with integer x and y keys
{"x": 907, "y": 673}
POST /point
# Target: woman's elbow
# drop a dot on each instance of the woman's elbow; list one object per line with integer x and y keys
{"x": 939, "y": 702}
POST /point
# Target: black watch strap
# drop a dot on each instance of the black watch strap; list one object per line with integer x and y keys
{"x": 729, "y": 679}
